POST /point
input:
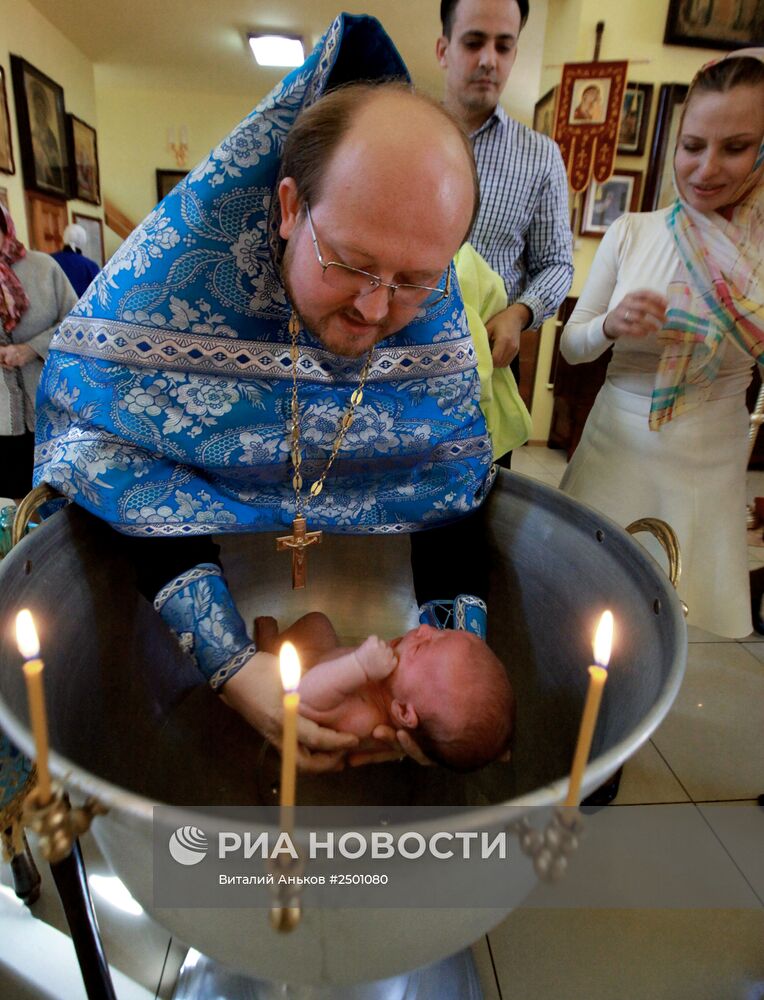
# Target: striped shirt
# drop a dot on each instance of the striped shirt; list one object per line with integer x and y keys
{"x": 522, "y": 228}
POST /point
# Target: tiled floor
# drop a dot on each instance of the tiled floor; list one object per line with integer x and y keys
{"x": 708, "y": 750}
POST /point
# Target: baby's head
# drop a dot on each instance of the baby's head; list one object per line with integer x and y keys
{"x": 453, "y": 693}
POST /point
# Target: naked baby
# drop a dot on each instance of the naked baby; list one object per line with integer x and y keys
{"x": 443, "y": 686}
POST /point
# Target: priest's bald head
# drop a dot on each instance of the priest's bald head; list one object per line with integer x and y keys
{"x": 378, "y": 191}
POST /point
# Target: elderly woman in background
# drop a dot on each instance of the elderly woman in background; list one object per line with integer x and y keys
{"x": 79, "y": 269}
{"x": 679, "y": 294}
{"x": 35, "y": 295}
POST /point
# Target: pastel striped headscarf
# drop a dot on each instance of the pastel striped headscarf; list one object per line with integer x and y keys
{"x": 718, "y": 293}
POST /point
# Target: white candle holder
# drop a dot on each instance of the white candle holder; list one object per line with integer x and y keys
{"x": 550, "y": 848}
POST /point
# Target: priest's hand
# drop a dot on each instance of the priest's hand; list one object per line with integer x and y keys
{"x": 255, "y": 692}
{"x": 400, "y": 745}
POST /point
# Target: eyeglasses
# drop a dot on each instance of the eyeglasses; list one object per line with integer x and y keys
{"x": 354, "y": 281}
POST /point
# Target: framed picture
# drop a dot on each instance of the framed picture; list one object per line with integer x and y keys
{"x": 47, "y": 219}
{"x": 543, "y": 113}
{"x": 6, "y": 145}
{"x": 715, "y": 24}
{"x": 83, "y": 156}
{"x": 166, "y": 181}
{"x": 605, "y": 202}
{"x": 635, "y": 116}
{"x": 93, "y": 226}
{"x": 659, "y": 188}
{"x": 586, "y": 119}
{"x": 588, "y": 103}
{"x": 42, "y": 129}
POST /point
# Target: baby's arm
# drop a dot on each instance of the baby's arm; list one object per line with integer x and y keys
{"x": 328, "y": 684}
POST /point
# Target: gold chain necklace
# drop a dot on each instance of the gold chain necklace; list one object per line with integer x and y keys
{"x": 301, "y": 538}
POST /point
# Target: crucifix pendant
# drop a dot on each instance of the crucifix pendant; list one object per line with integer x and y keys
{"x": 298, "y": 542}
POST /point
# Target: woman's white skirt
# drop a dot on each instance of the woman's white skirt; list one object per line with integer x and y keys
{"x": 691, "y": 473}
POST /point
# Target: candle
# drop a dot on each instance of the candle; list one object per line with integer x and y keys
{"x": 290, "y": 679}
{"x": 29, "y": 647}
{"x": 597, "y": 677}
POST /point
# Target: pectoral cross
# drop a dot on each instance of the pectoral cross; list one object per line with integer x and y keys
{"x": 298, "y": 542}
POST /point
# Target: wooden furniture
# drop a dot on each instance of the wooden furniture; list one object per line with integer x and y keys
{"x": 47, "y": 218}
{"x": 575, "y": 389}
{"x": 529, "y": 356}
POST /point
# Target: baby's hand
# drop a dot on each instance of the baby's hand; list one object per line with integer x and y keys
{"x": 376, "y": 658}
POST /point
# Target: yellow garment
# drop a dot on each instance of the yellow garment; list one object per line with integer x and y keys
{"x": 509, "y": 422}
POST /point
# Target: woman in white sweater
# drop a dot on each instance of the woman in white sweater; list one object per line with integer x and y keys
{"x": 679, "y": 295}
{"x": 35, "y": 295}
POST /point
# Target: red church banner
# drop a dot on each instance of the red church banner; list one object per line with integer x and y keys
{"x": 588, "y": 118}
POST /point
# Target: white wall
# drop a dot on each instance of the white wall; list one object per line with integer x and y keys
{"x": 133, "y": 138}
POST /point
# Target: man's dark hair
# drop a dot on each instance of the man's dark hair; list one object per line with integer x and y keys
{"x": 319, "y": 130}
{"x": 3, "y": 222}
{"x": 448, "y": 12}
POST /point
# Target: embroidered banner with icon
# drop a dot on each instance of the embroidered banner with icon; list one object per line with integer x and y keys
{"x": 588, "y": 118}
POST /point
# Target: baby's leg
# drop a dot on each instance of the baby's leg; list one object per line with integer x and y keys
{"x": 313, "y": 635}
{"x": 266, "y": 634}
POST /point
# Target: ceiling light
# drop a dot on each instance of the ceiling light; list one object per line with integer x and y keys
{"x": 277, "y": 50}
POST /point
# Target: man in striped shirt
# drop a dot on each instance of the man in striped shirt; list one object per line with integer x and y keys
{"x": 522, "y": 229}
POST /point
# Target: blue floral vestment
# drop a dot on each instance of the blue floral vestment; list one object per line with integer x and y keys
{"x": 164, "y": 407}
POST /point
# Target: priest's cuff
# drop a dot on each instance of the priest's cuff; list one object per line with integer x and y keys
{"x": 465, "y": 612}
{"x": 197, "y": 605}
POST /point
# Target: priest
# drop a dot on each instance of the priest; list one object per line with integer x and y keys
{"x": 282, "y": 345}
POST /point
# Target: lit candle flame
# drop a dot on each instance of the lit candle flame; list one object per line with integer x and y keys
{"x": 603, "y": 639}
{"x": 26, "y": 635}
{"x": 289, "y": 664}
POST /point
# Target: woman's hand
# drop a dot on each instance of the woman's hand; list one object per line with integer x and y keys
{"x": 638, "y": 314}
{"x": 16, "y": 355}
{"x": 255, "y": 692}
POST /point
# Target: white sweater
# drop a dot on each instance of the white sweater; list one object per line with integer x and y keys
{"x": 637, "y": 252}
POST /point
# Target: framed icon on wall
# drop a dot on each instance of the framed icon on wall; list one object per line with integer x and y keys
{"x": 659, "y": 185}
{"x": 635, "y": 117}
{"x": 6, "y": 144}
{"x": 83, "y": 154}
{"x": 166, "y": 181}
{"x": 607, "y": 201}
{"x": 711, "y": 24}
{"x": 42, "y": 129}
